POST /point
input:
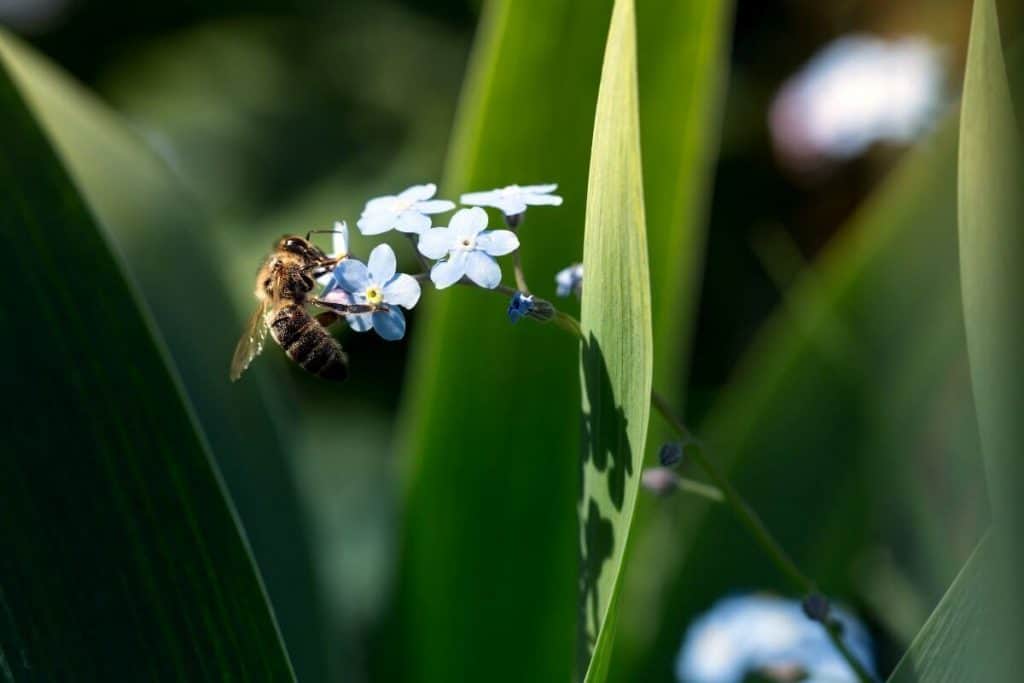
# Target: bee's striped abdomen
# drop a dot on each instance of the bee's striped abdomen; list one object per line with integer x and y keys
{"x": 308, "y": 344}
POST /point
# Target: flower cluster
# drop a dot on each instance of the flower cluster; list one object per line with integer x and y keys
{"x": 464, "y": 251}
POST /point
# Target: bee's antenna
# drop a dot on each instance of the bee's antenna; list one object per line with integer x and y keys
{"x": 317, "y": 232}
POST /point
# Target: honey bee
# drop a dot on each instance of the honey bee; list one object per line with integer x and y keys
{"x": 283, "y": 289}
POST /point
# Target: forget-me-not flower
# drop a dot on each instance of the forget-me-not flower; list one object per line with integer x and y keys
{"x": 339, "y": 250}
{"x": 470, "y": 249}
{"x": 760, "y": 633}
{"x": 520, "y": 306}
{"x": 377, "y": 284}
{"x": 569, "y": 280}
{"x": 513, "y": 199}
{"x": 405, "y": 212}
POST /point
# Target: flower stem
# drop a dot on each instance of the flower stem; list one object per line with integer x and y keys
{"x": 760, "y": 532}
{"x": 517, "y": 266}
{"x": 699, "y": 488}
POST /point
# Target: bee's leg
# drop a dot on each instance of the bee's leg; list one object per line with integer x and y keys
{"x": 344, "y": 309}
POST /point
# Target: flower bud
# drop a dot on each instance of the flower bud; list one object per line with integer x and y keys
{"x": 670, "y": 454}
{"x": 816, "y": 607}
{"x": 659, "y": 480}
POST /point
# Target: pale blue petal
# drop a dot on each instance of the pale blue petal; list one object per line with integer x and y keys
{"x": 447, "y": 273}
{"x": 483, "y": 270}
{"x": 376, "y": 223}
{"x": 497, "y": 242}
{"x": 413, "y": 222}
{"x": 435, "y": 243}
{"x": 379, "y": 204}
{"x": 361, "y": 322}
{"x": 418, "y": 193}
{"x": 352, "y": 276}
{"x": 542, "y": 199}
{"x": 381, "y": 264}
{"x": 434, "y": 206}
{"x": 510, "y": 206}
{"x": 403, "y": 290}
{"x": 389, "y": 324}
{"x": 480, "y": 198}
{"x": 539, "y": 189}
{"x": 468, "y": 222}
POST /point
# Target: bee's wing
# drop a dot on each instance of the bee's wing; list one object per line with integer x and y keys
{"x": 251, "y": 343}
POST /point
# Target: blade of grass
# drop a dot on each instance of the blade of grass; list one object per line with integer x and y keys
{"x": 617, "y": 354}
{"x": 123, "y": 557}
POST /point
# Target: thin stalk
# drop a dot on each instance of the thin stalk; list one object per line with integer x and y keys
{"x": 699, "y": 488}
{"x": 760, "y": 532}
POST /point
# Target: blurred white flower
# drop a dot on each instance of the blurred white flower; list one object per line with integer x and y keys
{"x": 858, "y": 90}
{"x": 741, "y": 635}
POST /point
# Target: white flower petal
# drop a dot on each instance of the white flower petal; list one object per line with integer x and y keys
{"x": 380, "y": 204}
{"x": 351, "y": 275}
{"x": 339, "y": 240}
{"x": 510, "y": 206}
{"x": 468, "y": 222}
{"x": 447, "y": 273}
{"x": 360, "y": 323}
{"x": 381, "y": 264}
{"x": 403, "y": 290}
{"x": 480, "y": 198}
{"x": 412, "y": 222}
{"x": 542, "y": 199}
{"x": 539, "y": 189}
{"x": 483, "y": 270}
{"x": 418, "y": 193}
{"x": 434, "y": 206}
{"x": 435, "y": 243}
{"x": 376, "y": 223}
{"x": 497, "y": 242}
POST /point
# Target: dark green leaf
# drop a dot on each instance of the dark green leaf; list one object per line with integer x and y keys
{"x": 123, "y": 559}
{"x": 169, "y": 251}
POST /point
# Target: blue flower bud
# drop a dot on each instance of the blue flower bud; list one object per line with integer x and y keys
{"x": 520, "y": 306}
{"x": 670, "y": 454}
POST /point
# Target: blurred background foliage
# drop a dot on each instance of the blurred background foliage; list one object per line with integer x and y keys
{"x": 827, "y": 363}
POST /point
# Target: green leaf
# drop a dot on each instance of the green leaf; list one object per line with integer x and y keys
{"x": 949, "y": 647}
{"x": 617, "y": 354}
{"x": 123, "y": 558}
{"x": 992, "y": 261}
{"x": 491, "y": 426}
{"x": 526, "y": 115}
{"x": 169, "y": 250}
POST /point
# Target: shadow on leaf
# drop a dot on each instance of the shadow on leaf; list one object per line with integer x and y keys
{"x": 606, "y": 456}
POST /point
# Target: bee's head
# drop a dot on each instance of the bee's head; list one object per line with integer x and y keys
{"x": 301, "y": 247}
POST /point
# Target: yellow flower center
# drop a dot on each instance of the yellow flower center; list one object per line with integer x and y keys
{"x": 374, "y": 295}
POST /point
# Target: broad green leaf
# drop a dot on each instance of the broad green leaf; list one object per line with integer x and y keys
{"x": 169, "y": 251}
{"x": 949, "y": 645}
{"x": 852, "y": 390}
{"x": 476, "y": 381}
{"x": 992, "y": 275}
{"x": 992, "y": 261}
{"x": 617, "y": 355}
{"x": 123, "y": 558}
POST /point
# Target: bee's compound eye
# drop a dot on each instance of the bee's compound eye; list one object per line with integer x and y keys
{"x": 295, "y": 245}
